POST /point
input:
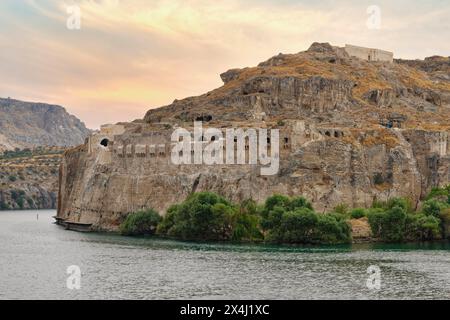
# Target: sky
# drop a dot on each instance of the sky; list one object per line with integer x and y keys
{"x": 117, "y": 59}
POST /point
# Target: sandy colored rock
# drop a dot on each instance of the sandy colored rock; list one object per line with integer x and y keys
{"x": 351, "y": 131}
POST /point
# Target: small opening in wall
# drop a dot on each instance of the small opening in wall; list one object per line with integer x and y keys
{"x": 286, "y": 140}
{"x": 328, "y": 134}
{"x": 336, "y": 134}
{"x": 104, "y": 142}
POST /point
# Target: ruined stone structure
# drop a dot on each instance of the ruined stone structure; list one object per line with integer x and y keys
{"x": 369, "y": 54}
{"x": 348, "y": 134}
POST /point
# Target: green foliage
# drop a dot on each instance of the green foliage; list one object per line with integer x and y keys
{"x": 20, "y": 202}
{"x": 358, "y": 213}
{"x": 342, "y": 209}
{"x": 293, "y": 221}
{"x": 332, "y": 228}
{"x": 203, "y": 216}
{"x": 17, "y": 153}
{"x": 403, "y": 203}
{"x": 440, "y": 193}
{"x": 433, "y": 207}
{"x": 12, "y": 178}
{"x": 422, "y": 227}
{"x": 445, "y": 222}
{"x": 388, "y": 225}
{"x": 395, "y": 221}
{"x": 4, "y": 205}
{"x": 30, "y": 202}
{"x": 142, "y": 222}
{"x": 207, "y": 216}
{"x": 394, "y": 202}
{"x": 246, "y": 223}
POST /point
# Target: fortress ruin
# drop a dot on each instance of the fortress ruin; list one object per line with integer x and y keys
{"x": 369, "y": 54}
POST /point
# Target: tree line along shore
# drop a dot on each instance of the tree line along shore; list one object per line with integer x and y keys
{"x": 207, "y": 216}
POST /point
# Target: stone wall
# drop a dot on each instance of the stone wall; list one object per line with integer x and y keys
{"x": 369, "y": 54}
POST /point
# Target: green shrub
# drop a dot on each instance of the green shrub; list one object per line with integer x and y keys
{"x": 433, "y": 208}
{"x": 295, "y": 227}
{"x": 276, "y": 205}
{"x": 298, "y": 203}
{"x": 142, "y": 222}
{"x": 403, "y": 203}
{"x": 445, "y": 222}
{"x": 246, "y": 222}
{"x": 30, "y": 202}
{"x": 422, "y": 227}
{"x": 388, "y": 225}
{"x": 12, "y": 178}
{"x": 358, "y": 213}
{"x": 439, "y": 193}
{"x": 302, "y": 224}
{"x": 4, "y": 205}
{"x": 203, "y": 216}
{"x": 342, "y": 209}
{"x": 20, "y": 202}
{"x": 168, "y": 221}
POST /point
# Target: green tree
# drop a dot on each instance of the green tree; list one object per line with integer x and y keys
{"x": 332, "y": 228}
{"x": 422, "y": 227}
{"x": 246, "y": 222}
{"x": 433, "y": 207}
{"x": 388, "y": 225}
{"x": 140, "y": 223}
{"x": 203, "y": 216}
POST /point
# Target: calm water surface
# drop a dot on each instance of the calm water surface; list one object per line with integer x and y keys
{"x": 35, "y": 254}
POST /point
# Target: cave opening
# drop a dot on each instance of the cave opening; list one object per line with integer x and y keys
{"x": 104, "y": 142}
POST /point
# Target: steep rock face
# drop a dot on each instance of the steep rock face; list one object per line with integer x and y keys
{"x": 26, "y": 124}
{"x": 351, "y": 131}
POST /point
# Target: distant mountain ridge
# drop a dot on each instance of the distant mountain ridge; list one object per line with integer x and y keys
{"x": 30, "y": 124}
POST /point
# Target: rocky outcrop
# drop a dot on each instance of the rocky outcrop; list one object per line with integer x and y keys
{"x": 29, "y": 180}
{"x": 351, "y": 131}
{"x": 28, "y": 125}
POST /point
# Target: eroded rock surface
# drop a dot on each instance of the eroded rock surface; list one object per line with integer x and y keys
{"x": 351, "y": 131}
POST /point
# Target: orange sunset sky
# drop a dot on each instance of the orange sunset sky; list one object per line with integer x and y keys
{"x": 130, "y": 56}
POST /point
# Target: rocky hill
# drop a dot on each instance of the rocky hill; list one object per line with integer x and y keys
{"x": 33, "y": 137}
{"x": 351, "y": 131}
{"x": 28, "y": 125}
{"x": 29, "y": 178}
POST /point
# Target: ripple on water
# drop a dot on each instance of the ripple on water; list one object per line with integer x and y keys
{"x": 35, "y": 254}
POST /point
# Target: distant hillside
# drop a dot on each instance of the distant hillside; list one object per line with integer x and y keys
{"x": 29, "y": 124}
{"x": 29, "y": 178}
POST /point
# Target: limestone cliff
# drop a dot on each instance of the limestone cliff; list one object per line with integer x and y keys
{"x": 350, "y": 131}
{"x": 28, "y": 125}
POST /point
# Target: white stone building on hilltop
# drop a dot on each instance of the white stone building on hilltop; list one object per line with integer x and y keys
{"x": 369, "y": 54}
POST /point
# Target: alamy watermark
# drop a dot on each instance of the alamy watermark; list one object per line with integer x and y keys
{"x": 73, "y": 22}
{"x": 73, "y": 281}
{"x": 374, "y": 20}
{"x": 374, "y": 280}
{"x": 212, "y": 146}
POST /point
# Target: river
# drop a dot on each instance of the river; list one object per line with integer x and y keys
{"x": 35, "y": 255}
